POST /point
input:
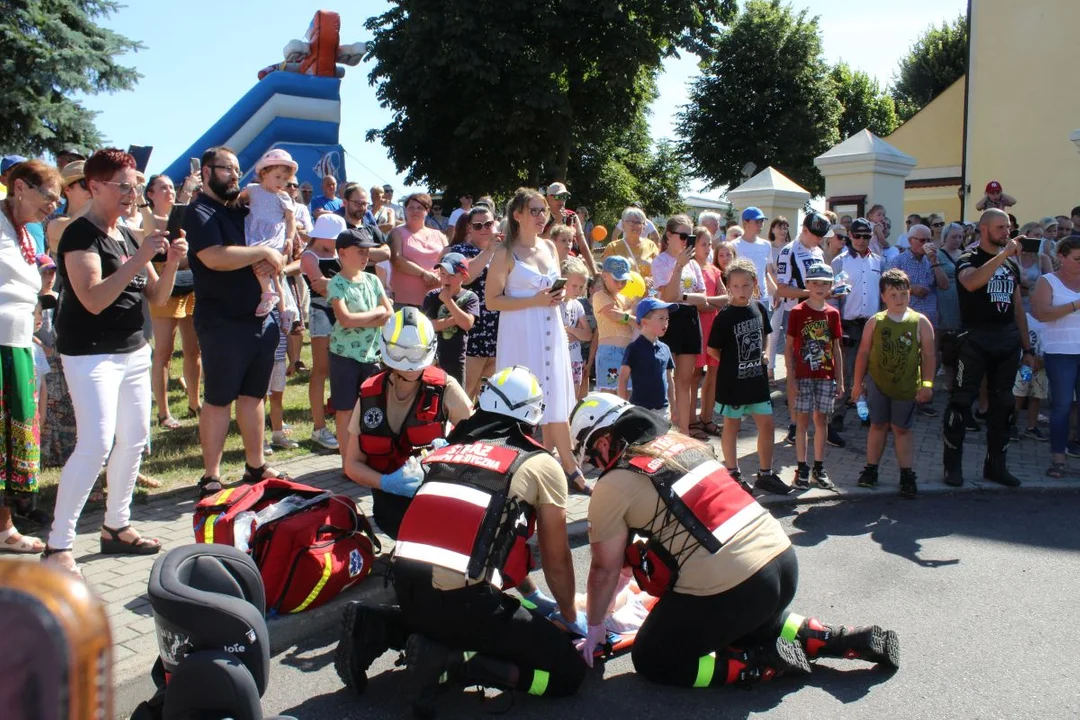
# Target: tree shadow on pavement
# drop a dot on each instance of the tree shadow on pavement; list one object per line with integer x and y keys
{"x": 900, "y": 526}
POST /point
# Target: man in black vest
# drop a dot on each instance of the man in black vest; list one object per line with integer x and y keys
{"x": 993, "y": 345}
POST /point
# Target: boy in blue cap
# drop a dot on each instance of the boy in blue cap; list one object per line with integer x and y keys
{"x": 647, "y": 362}
{"x": 453, "y": 310}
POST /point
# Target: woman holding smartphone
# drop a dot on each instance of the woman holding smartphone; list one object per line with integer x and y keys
{"x": 178, "y": 312}
{"x": 523, "y": 285}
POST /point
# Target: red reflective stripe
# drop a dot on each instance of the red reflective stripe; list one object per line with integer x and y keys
{"x": 715, "y": 499}
{"x": 482, "y": 455}
{"x": 442, "y": 522}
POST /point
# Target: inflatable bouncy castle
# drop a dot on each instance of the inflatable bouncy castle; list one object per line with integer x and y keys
{"x": 295, "y": 106}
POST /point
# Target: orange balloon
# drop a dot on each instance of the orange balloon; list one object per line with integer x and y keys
{"x": 599, "y": 233}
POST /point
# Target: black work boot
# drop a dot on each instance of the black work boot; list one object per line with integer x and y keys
{"x": 366, "y": 633}
{"x": 869, "y": 642}
{"x": 995, "y": 470}
{"x": 781, "y": 657}
{"x": 426, "y": 661}
{"x": 908, "y": 487}
{"x": 954, "y": 475}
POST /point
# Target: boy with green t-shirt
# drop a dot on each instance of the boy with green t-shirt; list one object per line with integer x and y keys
{"x": 894, "y": 372}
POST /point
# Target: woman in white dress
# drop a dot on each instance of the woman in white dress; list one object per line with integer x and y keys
{"x": 531, "y": 331}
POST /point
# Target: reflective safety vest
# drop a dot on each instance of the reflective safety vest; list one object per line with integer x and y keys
{"x": 702, "y": 500}
{"x": 387, "y": 450}
{"x": 463, "y": 518}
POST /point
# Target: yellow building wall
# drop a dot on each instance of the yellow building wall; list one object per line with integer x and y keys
{"x": 934, "y": 136}
{"x": 1022, "y": 107}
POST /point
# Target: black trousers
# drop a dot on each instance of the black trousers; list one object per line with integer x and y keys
{"x": 993, "y": 353}
{"x": 849, "y": 349}
{"x": 482, "y": 619}
{"x": 683, "y": 628}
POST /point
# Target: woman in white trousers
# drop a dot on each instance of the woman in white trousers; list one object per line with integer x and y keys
{"x": 106, "y": 360}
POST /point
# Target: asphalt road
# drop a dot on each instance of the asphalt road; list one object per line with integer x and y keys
{"x": 982, "y": 589}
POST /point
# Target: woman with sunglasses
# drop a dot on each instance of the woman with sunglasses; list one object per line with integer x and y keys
{"x": 531, "y": 332}
{"x": 479, "y": 247}
{"x": 675, "y": 274}
{"x": 107, "y": 272}
{"x": 178, "y": 313}
{"x": 33, "y": 193}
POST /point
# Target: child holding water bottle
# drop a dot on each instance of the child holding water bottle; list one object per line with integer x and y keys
{"x": 894, "y": 370}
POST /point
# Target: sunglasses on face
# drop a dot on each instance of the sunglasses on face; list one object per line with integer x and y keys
{"x": 292, "y": 186}
{"x": 486, "y": 225}
{"x": 938, "y": 224}
{"x": 683, "y": 236}
{"x": 861, "y": 236}
{"x": 82, "y": 184}
{"x": 538, "y": 211}
{"x": 125, "y": 188}
{"x": 562, "y": 196}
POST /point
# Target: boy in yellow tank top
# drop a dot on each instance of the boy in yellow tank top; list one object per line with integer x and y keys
{"x": 894, "y": 371}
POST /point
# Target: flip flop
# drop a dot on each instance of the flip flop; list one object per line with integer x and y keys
{"x": 23, "y": 545}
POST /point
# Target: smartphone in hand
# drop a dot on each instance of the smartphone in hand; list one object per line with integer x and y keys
{"x": 558, "y": 285}
{"x": 1030, "y": 245}
{"x": 176, "y": 221}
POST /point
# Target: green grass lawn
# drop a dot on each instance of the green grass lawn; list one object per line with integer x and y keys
{"x": 176, "y": 456}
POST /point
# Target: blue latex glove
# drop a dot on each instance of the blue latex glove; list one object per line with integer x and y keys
{"x": 439, "y": 443}
{"x": 579, "y": 627}
{"x": 404, "y": 481}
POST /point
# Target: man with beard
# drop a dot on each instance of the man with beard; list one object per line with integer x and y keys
{"x": 988, "y": 285}
{"x": 356, "y": 214}
{"x": 237, "y": 346}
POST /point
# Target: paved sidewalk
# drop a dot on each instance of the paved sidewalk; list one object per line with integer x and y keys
{"x": 121, "y": 581}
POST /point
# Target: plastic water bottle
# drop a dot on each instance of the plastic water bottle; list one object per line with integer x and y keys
{"x": 862, "y": 408}
{"x": 1025, "y": 373}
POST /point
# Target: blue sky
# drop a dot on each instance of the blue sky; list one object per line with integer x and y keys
{"x": 202, "y": 56}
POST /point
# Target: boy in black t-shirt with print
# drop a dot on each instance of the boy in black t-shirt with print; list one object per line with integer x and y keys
{"x": 453, "y": 310}
{"x": 737, "y": 340}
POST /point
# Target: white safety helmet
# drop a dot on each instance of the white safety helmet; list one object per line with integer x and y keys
{"x": 407, "y": 341}
{"x": 596, "y": 411}
{"x": 514, "y": 392}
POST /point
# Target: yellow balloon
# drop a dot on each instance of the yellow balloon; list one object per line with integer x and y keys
{"x": 635, "y": 287}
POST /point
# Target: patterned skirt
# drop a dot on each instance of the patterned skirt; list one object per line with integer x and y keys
{"x": 19, "y": 435}
{"x": 58, "y": 438}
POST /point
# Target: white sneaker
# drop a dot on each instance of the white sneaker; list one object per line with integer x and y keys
{"x": 283, "y": 442}
{"x": 325, "y": 438}
{"x": 268, "y": 449}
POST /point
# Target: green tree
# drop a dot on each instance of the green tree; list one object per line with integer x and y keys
{"x": 51, "y": 50}
{"x": 937, "y": 59}
{"x": 765, "y": 97}
{"x": 864, "y": 104}
{"x": 504, "y": 92}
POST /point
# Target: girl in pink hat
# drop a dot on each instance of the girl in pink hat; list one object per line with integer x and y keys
{"x": 271, "y": 221}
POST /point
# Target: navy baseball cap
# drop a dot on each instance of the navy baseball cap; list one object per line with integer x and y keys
{"x": 360, "y": 237}
{"x": 753, "y": 213}
{"x": 453, "y": 263}
{"x": 861, "y": 226}
{"x": 647, "y": 305}
{"x": 618, "y": 266}
{"x": 819, "y": 225}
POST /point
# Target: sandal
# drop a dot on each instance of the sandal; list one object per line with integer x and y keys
{"x": 697, "y": 431}
{"x": 1057, "y": 470}
{"x": 712, "y": 428}
{"x": 115, "y": 546}
{"x": 253, "y": 475}
{"x": 13, "y": 542}
{"x": 168, "y": 422}
{"x": 193, "y": 412}
{"x": 208, "y": 486}
{"x": 574, "y": 488}
{"x": 97, "y": 495}
{"x": 147, "y": 482}
{"x": 72, "y": 568}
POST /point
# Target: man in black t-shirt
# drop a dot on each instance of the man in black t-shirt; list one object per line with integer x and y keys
{"x": 237, "y": 346}
{"x": 356, "y": 215}
{"x": 988, "y": 286}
